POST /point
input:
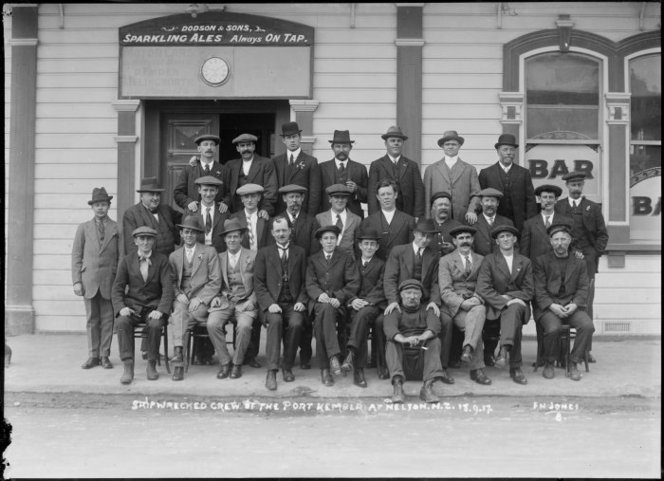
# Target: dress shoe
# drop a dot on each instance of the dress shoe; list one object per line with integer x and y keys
{"x": 326, "y": 377}
{"x": 383, "y": 373}
{"x": 426, "y": 393}
{"x": 305, "y": 365}
{"x": 574, "y": 373}
{"x": 253, "y": 363}
{"x": 467, "y": 354}
{"x": 288, "y": 375}
{"x": 152, "y": 373}
{"x": 128, "y": 374}
{"x": 501, "y": 358}
{"x": 590, "y": 358}
{"x": 106, "y": 363}
{"x": 446, "y": 378}
{"x": 236, "y": 372}
{"x": 224, "y": 371}
{"x": 548, "y": 371}
{"x": 398, "y": 396}
{"x": 91, "y": 362}
{"x": 271, "y": 380}
{"x": 334, "y": 365}
{"x": 489, "y": 360}
{"x": 358, "y": 377}
{"x": 517, "y": 376}
{"x": 347, "y": 366}
{"x": 178, "y": 373}
{"x": 480, "y": 377}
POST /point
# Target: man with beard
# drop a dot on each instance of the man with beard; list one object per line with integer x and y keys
{"x": 441, "y": 206}
{"x": 484, "y": 244}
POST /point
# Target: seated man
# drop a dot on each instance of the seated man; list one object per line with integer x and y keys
{"x": 142, "y": 292}
{"x": 237, "y": 300}
{"x": 279, "y": 282}
{"x": 332, "y": 279}
{"x": 505, "y": 282}
{"x": 561, "y": 293}
{"x": 339, "y": 215}
{"x": 413, "y": 326}
{"x": 457, "y": 277}
{"x": 196, "y": 280}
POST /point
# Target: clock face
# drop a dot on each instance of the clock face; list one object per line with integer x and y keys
{"x": 215, "y": 71}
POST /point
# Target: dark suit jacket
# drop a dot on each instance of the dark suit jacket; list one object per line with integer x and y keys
{"x": 261, "y": 173}
{"x": 398, "y": 232}
{"x": 409, "y": 182}
{"x": 494, "y": 280}
{"x": 156, "y": 292}
{"x": 186, "y": 191}
{"x": 218, "y": 219}
{"x": 268, "y": 275}
{"x": 168, "y": 236}
{"x": 371, "y": 282}
{"x": 303, "y": 232}
{"x": 483, "y": 243}
{"x": 355, "y": 172}
{"x": 534, "y": 240}
{"x": 443, "y": 235}
{"x": 340, "y": 279}
{"x": 519, "y": 193}
{"x": 548, "y": 281}
{"x": 262, "y": 230}
{"x": 399, "y": 267}
{"x": 305, "y": 173}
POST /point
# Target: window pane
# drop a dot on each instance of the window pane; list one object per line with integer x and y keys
{"x": 645, "y": 79}
{"x": 562, "y": 123}
{"x": 642, "y": 159}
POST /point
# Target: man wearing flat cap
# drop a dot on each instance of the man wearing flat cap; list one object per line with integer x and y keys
{"x": 94, "y": 260}
{"x": 534, "y": 238}
{"x": 250, "y": 168}
{"x": 208, "y": 212}
{"x": 342, "y": 170}
{"x": 299, "y": 168}
{"x": 588, "y": 230}
{"x": 142, "y": 292}
{"x": 490, "y": 199}
{"x": 257, "y": 234}
{"x": 341, "y": 216}
{"x": 453, "y": 175}
{"x": 561, "y": 293}
{"x": 518, "y": 202}
{"x": 412, "y": 335}
{"x": 187, "y": 192}
{"x": 441, "y": 210}
{"x": 505, "y": 282}
{"x": 403, "y": 171}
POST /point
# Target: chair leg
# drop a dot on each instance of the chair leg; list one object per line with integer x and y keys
{"x": 165, "y": 326}
{"x": 186, "y": 342}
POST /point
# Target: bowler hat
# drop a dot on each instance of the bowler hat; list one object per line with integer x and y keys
{"x": 247, "y": 189}
{"x": 462, "y": 229}
{"x": 440, "y": 195}
{"x": 506, "y": 139}
{"x": 337, "y": 189}
{"x": 554, "y": 189}
{"x": 327, "y": 228}
{"x": 290, "y": 128}
{"x": 144, "y": 231}
{"x": 575, "y": 175}
{"x": 287, "y": 189}
{"x": 232, "y": 225}
{"x": 394, "y": 131}
{"x": 245, "y": 138}
{"x": 341, "y": 137}
{"x": 497, "y": 229}
{"x": 558, "y": 227}
{"x": 192, "y": 222}
{"x": 203, "y": 137}
{"x": 490, "y": 192}
{"x": 208, "y": 180}
{"x": 148, "y": 185}
{"x": 369, "y": 233}
{"x": 99, "y": 195}
{"x": 411, "y": 284}
{"x": 450, "y": 135}
{"x": 425, "y": 226}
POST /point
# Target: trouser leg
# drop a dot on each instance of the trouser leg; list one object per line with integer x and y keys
{"x": 550, "y": 326}
{"x": 216, "y": 327}
{"x": 293, "y": 325}
{"x": 245, "y": 322}
{"x": 379, "y": 342}
{"x": 106, "y": 327}
{"x": 178, "y": 320}
{"x": 92, "y": 325}
{"x": 125, "y": 325}
{"x": 394, "y": 359}
{"x": 327, "y": 344}
{"x": 305, "y": 340}
{"x": 154, "y": 337}
{"x": 446, "y": 339}
{"x": 254, "y": 341}
{"x": 511, "y": 323}
{"x": 432, "y": 363}
{"x": 583, "y": 324}
{"x": 359, "y": 332}
{"x": 273, "y": 341}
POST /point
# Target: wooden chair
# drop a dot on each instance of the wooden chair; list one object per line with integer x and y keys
{"x": 141, "y": 332}
{"x": 200, "y": 332}
{"x": 567, "y": 334}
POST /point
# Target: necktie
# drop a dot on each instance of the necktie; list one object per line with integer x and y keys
{"x": 574, "y": 204}
{"x": 100, "y": 232}
{"x": 144, "y": 263}
{"x": 490, "y": 221}
{"x": 419, "y": 253}
{"x": 208, "y": 220}
{"x": 232, "y": 260}
{"x": 190, "y": 254}
{"x": 284, "y": 253}
{"x": 469, "y": 266}
{"x": 342, "y": 172}
{"x": 547, "y": 221}
{"x": 339, "y": 223}
{"x": 251, "y": 231}
{"x": 328, "y": 257}
{"x": 291, "y": 160}
{"x": 207, "y": 169}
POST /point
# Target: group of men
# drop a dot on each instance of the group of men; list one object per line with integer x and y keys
{"x": 258, "y": 244}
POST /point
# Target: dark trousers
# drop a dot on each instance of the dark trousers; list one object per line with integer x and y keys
{"x": 359, "y": 332}
{"x": 379, "y": 343}
{"x": 325, "y": 330}
{"x": 395, "y": 352}
{"x": 447, "y": 325}
{"x": 551, "y": 325}
{"x": 125, "y": 325}
{"x": 286, "y": 325}
{"x": 254, "y": 341}
{"x": 305, "y": 340}
{"x": 512, "y": 319}
{"x": 99, "y": 325}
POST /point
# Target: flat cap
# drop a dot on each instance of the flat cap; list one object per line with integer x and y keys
{"x": 337, "y": 189}
{"x": 287, "y": 189}
{"x": 144, "y": 231}
{"x": 211, "y": 137}
{"x": 411, "y": 284}
{"x": 462, "y": 229}
{"x": 247, "y": 189}
{"x": 557, "y": 191}
{"x": 575, "y": 175}
{"x": 327, "y": 228}
{"x": 245, "y": 138}
{"x": 440, "y": 195}
{"x": 497, "y": 229}
{"x": 558, "y": 227}
{"x": 490, "y": 192}
{"x": 208, "y": 180}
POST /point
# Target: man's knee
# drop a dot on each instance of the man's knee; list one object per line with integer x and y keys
{"x": 155, "y": 324}
{"x": 123, "y": 323}
{"x": 274, "y": 319}
{"x": 296, "y": 320}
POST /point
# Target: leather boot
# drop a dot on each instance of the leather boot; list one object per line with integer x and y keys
{"x": 178, "y": 357}
{"x": 271, "y": 380}
{"x": 347, "y": 365}
{"x": 178, "y": 373}
{"x": 152, "y": 373}
{"x": 326, "y": 378}
{"x": 398, "y": 396}
{"x": 358, "y": 378}
{"x": 128, "y": 374}
{"x": 426, "y": 393}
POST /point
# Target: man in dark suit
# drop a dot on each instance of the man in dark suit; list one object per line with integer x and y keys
{"x": 187, "y": 192}
{"x": 250, "y": 169}
{"x": 342, "y": 170}
{"x": 151, "y": 213}
{"x": 403, "y": 171}
{"x": 534, "y": 238}
{"x": 142, "y": 292}
{"x": 279, "y": 282}
{"x": 441, "y": 208}
{"x": 588, "y": 230}
{"x": 332, "y": 279}
{"x": 505, "y": 282}
{"x": 396, "y": 227}
{"x": 561, "y": 291}
{"x": 484, "y": 244}
{"x": 518, "y": 202}
{"x": 418, "y": 261}
{"x": 299, "y": 168}
{"x": 207, "y": 210}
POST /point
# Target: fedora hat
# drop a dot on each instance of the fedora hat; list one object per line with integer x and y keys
{"x": 425, "y": 226}
{"x": 341, "y": 137}
{"x": 394, "y": 131}
{"x": 149, "y": 185}
{"x": 99, "y": 195}
{"x": 232, "y": 225}
{"x": 290, "y": 128}
{"x": 211, "y": 137}
{"x": 506, "y": 139}
{"x": 450, "y": 135}
{"x": 192, "y": 222}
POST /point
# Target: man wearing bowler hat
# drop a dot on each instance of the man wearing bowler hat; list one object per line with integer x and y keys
{"x": 208, "y": 212}
{"x": 534, "y": 238}
{"x": 441, "y": 211}
{"x": 299, "y": 168}
{"x": 342, "y": 170}
{"x": 94, "y": 261}
{"x": 250, "y": 168}
{"x": 518, "y": 202}
{"x": 453, "y": 175}
{"x": 403, "y": 171}
{"x": 186, "y": 192}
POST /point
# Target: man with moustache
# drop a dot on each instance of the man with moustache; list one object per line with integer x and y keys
{"x": 403, "y": 171}
{"x": 490, "y": 199}
{"x": 534, "y": 239}
{"x": 342, "y": 170}
{"x": 257, "y": 233}
{"x": 208, "y": 210}
{"x": 341, "y": 216}
{"x": 441, "y": 207}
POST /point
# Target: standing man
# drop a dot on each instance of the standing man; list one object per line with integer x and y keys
{"x": 505, "y": 282}
{"x": 257, "y": 234}
{"x": 453, "y": 175}
{"x": 342, "y": 170}
{"x": 187, "y": 192}
{"x": 534, "y": 239}
{"x": 250, "y": 169}
{"x": 142, "y": 292}
{"x": 403, "y": 171}
{"x": 484, "y": 243}
{"x": 518, "y": 203}
{"x": 279, "y": 278}
{"x": 302, "y": 225}
{"x": 340, "y": 216}
{"x": 297, "y": 167}
{"x": 209, "y": 212}
{"x": 196, "y": 278}
{"x": 441, "y": 207}
{"x": 588, "y": 230}
{"x": 94, "y": 261}
{"x": 561, "y": 289}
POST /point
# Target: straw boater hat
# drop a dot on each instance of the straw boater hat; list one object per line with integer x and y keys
{"x": 99, "y": 195}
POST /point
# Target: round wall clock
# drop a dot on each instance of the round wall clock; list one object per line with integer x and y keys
{"x": 215, "y": 71}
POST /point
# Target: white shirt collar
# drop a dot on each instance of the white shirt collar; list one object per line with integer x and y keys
{"x": 388, "y": 215}
{"x": 416, "y": 249}
{"x": 506, "y": 169}
{"x": 339, "y": 162}
{"x": 394, "y": 159}
{"x": 489, "y": 218}
{"x": 294, "y": 153}
{"x": 451, "y": 160}
{"x": 571, "y": 201}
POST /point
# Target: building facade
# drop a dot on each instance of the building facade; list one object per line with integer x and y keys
{"x": 106, "y": 94}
